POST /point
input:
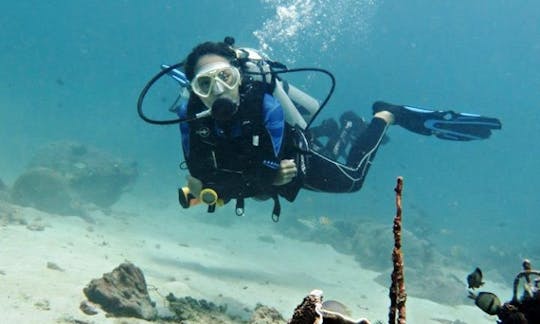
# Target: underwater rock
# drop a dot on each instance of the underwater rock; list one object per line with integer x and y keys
{"x": 43, "y": 189}
{"x": 367, "y": 241}
{"x": 266, "y": 315}
{"x": 122, "y": 293}
{"x": 370, "y": 242}
{"x": 69, "y": 178}
{"x": 312, "y": 310}
{"x": 94, "y": 175}
{"x": 308, "y": 311}
{"x": 191, "y": 310}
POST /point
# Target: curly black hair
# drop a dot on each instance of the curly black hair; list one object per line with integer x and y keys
{"x": 218, "y": 48}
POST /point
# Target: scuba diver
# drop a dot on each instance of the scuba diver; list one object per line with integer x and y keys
{"x": 245, "y": 131}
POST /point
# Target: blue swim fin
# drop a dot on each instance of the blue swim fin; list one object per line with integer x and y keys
{"x": 447, "y": 125}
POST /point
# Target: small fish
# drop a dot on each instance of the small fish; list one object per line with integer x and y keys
{"x": 474, "y": 279}
{"x": 488, "y": 302}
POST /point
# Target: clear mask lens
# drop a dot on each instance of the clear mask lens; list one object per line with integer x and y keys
{"x": 204, "y": 82}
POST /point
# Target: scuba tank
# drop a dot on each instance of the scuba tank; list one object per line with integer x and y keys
{"x": 292, "y": 99}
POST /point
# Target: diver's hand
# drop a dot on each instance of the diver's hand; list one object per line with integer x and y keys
{"x": 195, "y": 185}
{"x": 287, "y": 171}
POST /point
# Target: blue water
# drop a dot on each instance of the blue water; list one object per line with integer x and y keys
{"x": 74, "y": 69}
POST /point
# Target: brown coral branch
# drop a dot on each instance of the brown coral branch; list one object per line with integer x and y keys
{"x": 398, "y": 296}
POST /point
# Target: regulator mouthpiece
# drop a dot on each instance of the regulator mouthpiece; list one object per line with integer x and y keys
{"x": 223, "y": 109}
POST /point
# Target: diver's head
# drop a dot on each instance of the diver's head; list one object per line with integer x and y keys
{"x": 214, "y": 78}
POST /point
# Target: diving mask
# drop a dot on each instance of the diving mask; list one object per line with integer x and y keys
{"x": 219, "y": 75}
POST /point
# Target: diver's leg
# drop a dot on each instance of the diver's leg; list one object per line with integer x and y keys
{"x": 327, "y": 175}
{"x": 352, "y": 126}
{"x": 323, "y": 136}
{"x": 364, "y": 148}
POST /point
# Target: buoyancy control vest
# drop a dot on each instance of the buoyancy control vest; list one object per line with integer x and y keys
{"x": 240, "y": 158}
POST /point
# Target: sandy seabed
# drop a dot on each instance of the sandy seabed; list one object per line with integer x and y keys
{"x": 46, "y": 263}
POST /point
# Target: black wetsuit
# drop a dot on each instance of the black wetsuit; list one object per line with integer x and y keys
{"x": 326, "y": 174}
{"x": 240, "y": 159}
